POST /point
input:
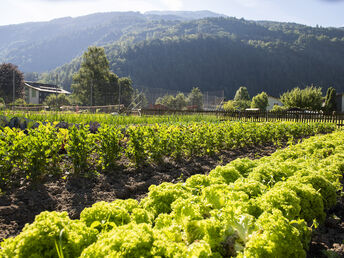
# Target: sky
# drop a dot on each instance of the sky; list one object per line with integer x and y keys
{"x": 326, "y": 13}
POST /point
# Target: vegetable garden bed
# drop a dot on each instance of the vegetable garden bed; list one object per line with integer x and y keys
{"x": 258, "y": 188}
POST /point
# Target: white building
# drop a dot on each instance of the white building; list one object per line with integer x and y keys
{"x": 35, "y": 93}
{"x": 340, "y": 102}
{"x": 273, "y": 101}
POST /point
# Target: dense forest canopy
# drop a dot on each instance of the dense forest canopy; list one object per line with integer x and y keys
{"x": 178, "y": 51}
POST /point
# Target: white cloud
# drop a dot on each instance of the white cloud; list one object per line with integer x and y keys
{"x": 173, "y": 4}
{"x": 248, "y": 3}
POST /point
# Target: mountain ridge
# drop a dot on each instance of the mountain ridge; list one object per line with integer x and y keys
{"x": 161, "y": 49}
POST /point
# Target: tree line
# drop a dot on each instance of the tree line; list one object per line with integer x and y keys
{"x": 310, "y": 98}
{"x": 225, "y": 53}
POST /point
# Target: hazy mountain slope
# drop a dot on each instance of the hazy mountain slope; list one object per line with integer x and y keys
{"x": 42, "y": 46}
{"x": 225, "y": 53}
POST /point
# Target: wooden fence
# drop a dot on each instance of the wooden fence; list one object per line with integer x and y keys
{"x": 258, "y": 116}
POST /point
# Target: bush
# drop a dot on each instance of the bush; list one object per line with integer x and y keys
{"x": 57, "y": 101}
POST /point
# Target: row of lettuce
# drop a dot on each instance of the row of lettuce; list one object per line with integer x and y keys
{"x": 247, "y": 208}
{"x": 45, "y": 150}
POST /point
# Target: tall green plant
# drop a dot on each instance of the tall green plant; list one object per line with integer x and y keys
{"x": 330, "y": 100}
{"x": 110, "y": 148}
{"x": 80, "y": 146}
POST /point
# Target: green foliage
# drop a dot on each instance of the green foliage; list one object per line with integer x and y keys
{"x": 7, "y": 70}
{"x": 110, "y": 148}
{"x": 260, "y": 101}
{"x": 161, "y": 197}
{"x": 32, "y": 155}
{"x": 241, "y": 94}
{"x": 38, "y": 239}
{"x": 105, "y": 216}
{"x": 330, "y": 100}
{"x": 80, "y": 146}
{"x": 126, "y": 91}
{"x": 241, "y": 105}
{"x": 127, "y": 241}
{"x": 277, "y": 108}
{"x": 311, "y": 201}
{"x": 309, "y": 98}
{"x": 57, "y": 101}
{"x": 229, "y": 106}
{"x": 19, "y": 102}
{"x": 228, "y": 213}
{"x": 178, "y": 102}
{"x": 94, "y": 84}
{"x": 276, "y": 237}
{"x": 195, "y": 98}
{"x": 236, "y": 105}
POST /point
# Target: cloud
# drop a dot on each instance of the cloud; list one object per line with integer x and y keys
{"x": 173, "y": 4}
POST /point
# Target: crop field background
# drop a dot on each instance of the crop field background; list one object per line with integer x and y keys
{"x": 168, "y": 186}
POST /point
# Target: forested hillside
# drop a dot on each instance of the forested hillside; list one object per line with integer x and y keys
{"x": 42, "y": 46}
{"x": 177, "y": 50}
{"x": 225, "y": 53}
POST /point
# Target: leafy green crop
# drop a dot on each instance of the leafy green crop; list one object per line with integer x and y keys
{"x": 260, "y": 208}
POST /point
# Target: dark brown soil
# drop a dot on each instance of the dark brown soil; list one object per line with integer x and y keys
{"x": 20, "y": 205}
{"x": 328, "y": 239}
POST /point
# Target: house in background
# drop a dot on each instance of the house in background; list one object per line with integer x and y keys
{"x": 273, "y": 101}
{"x": 340, "y": 102}
{"x": 35, "y": 93}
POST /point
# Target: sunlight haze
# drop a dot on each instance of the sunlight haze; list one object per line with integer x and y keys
{"x": 325, "y": 13}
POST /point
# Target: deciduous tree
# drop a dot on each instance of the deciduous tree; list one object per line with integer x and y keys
{"x": 94, "y": 83}
{"x": 309, "y": 98}
{"x": 330, "y": 100}
{"x": 195, "y": 98}
{"x": 260, "y": 101}
{"x": 242, "y": 94}
{"x": 7, "y": 70}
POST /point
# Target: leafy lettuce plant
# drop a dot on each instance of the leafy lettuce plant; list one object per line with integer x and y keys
{"x": 38, "y": 239}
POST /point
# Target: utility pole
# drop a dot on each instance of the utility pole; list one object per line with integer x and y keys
{"x": 91, "y": 93}
{"x": 119, "y": 97}
{"x": 14, "y": 85}
{"x": 57, "y": 78}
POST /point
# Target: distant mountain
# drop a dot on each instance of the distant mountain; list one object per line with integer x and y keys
{"x": 224, "y": 54}
{"x": 185, "y": 15}
{"x": 42, "y": 46}
{"x": 177, "y": 51}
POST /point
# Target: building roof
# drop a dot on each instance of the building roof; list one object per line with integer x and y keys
{"x": 49, "y": 88}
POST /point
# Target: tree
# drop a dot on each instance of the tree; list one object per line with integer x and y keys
{"x": 57, "y": 101}
{"x": 241, "y": 105}
{"x": 180, "y": 101}
{"x": 126, "y": 91}
{"x": 242, "y": 94}
{"x": 2, "y": 102}
{"x": 260, "y": 101}
{"x": 195, "y": 98}
{"x": 6, "y": 82}
{"x": 167, "y": 100}
{"x": 94, "y": 83}
{"x": 229, "y": 106}
{"x": 330, "y": 100}
{"x": 309, "y": 98}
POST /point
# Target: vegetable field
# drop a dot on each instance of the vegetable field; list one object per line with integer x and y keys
{"x": 267, "y": 207}
{"x": 46, "y": 150}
